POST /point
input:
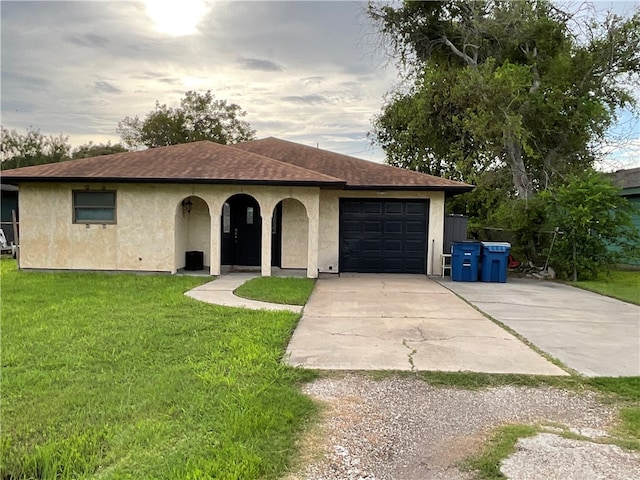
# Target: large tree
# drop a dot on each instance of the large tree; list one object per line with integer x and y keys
{"x": 493, "y": 85}
{"x": 31, "y": 148}
{"x": 200, "y": 116}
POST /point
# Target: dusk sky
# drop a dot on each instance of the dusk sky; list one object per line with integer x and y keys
{"x": 308, "y": 72}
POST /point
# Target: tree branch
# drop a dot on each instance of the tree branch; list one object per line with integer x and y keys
{"x": 469, "y": 61}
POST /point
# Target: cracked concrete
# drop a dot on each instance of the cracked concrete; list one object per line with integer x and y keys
{"x": 368, "y": 321}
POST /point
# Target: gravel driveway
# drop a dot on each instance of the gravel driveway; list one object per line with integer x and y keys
{"x": 402, "y": 428}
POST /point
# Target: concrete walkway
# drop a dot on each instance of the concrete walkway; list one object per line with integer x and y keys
{"x": 403, "y": 322}
{"x": 220, "y": 292}
{"x": 592, "y": 334}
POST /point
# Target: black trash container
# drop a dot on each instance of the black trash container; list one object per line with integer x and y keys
{"x": 194, "y": 260}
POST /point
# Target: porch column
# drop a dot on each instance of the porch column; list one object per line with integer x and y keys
{"x": 266, "y": 242}
{"x": 214, "y": 256}
{"x": 313, "y": 212}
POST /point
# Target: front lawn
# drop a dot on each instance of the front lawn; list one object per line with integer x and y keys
{"x": 287, "y": 290}
{"x": 122, "y": 376}
{"x": 621, "y": 284}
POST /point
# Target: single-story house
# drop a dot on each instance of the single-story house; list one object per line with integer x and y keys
{"x": 263, "y": 203}
{"x": 629, "y": 181}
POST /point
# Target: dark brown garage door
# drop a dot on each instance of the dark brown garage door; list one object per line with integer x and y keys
{"x": 383, "y": 236}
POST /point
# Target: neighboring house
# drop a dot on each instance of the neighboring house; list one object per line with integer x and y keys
{"x": 8, "y": 203}
{"x": 262, "y": 203}
{"x": 629, "y": 182}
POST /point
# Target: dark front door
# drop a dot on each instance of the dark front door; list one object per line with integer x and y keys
{"x": 383, "y": 236}
{"x": 241, "y": 231}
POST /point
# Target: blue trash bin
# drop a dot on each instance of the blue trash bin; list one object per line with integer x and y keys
{"x": 465, "y": 257}
{"x": 495, "y": 260}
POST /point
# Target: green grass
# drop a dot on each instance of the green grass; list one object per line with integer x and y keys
{"x": 621, "y": 284}
{"x": 122, "y": 376}
{"x": 499, "y": 447}
{"x": 286, "y": 290}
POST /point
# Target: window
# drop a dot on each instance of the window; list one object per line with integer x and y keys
{"x": 97, "y": 206}
{"x": 249, "y": 215}
{"x": 226, "y": 218}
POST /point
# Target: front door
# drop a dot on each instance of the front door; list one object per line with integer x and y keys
{"x": 241, "y": 231}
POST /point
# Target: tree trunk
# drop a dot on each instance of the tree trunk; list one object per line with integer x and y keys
{"x": 521, "y": 179}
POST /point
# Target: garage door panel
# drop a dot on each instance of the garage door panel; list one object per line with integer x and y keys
{"x": 372, "y": 226}
{"x": 372, "y": 245}
{"x": 393, "y": 246}
{"x": 391, "y": 208}
{"x": 415, "y": 208}
{"x": 352, "y": 207}
{"x": 351, "y": 226}
{"x": 383, "y": 235}
{"x": 393, "y": 226}
{"x": 414, "y": 246}
{"x": 415, "y": 227}
{"x": 371, "y": 207}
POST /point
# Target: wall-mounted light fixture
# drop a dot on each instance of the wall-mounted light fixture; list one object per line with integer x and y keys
{"x": 186, "y": 205}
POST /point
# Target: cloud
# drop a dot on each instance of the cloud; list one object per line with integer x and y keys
{"x": 106, "y": 87}
{"x": 288, "y": 64}
{"x": 89, "y": 40}
{"x": 29, "y": 82}
{"x": 259, "y": 64}
{"x": 306, "y": 99}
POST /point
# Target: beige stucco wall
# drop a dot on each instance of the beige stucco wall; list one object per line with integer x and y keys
{"x": 328, "y": 241}
{"x": 295, "y": 234}
{"x": 152, "y": 233}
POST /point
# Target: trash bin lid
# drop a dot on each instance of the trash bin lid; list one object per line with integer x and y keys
{"x": 496, "y": 247}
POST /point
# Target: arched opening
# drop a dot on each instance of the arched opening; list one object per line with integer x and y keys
{"x": 290, "y": 235}
{"x": 193, "y": 235}
{"x": 241, "y": 231}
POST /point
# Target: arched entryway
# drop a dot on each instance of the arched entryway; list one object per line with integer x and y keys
{"x": 193, "y": 234}
{"x": 241, "y": 231}
{"x": 290, "y": 235}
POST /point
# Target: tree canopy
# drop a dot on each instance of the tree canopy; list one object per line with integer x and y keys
{"x": 35, "y": 148}
{"x": 32, "y": 148}
{"x": 493, "y": 85}
{"x": 97, "y": 149}
{"x": 200, "y": 116}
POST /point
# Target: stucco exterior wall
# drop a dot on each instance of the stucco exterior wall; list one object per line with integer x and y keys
{"x": 295, "y": 234}
{"x": 328, "y": 241}
{"x": 152, "y": 232}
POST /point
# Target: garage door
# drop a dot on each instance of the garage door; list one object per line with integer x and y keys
{"x": 383, "y": 236}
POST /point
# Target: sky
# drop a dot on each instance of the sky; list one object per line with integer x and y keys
{"x": 309, "y": 72}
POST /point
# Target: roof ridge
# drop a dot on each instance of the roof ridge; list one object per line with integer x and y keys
{"x": 357, "y": 160}
{"x": 287, "y": 164}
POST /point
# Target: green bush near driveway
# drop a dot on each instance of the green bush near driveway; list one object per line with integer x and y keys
{"x": 123, "y": 376}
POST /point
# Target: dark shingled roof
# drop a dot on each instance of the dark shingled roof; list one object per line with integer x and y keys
{"x": 626, "y": 178}
{"x": 358, "y": 173}
{"x": 197, "y": 162}
{"x": 261, "y": 162}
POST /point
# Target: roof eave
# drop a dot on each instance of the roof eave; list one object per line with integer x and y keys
{"x": 453, "y": 189}
{"x": 201, "y": 181}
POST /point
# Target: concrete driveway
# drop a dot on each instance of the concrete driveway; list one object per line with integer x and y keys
{"x": 403, "y": 322}
{"x": 593, "y": 334}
